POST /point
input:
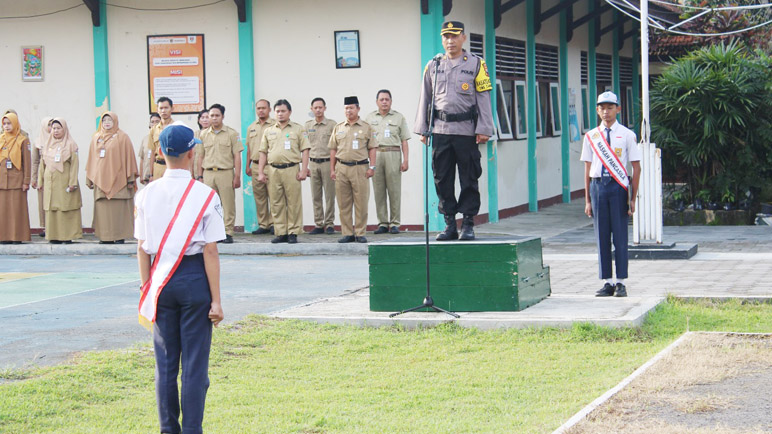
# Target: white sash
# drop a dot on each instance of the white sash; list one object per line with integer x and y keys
{"x": 175, "y": 241}
{"x": 608, "y": 157}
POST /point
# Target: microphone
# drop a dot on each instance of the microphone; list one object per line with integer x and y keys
{"x": 438, "y": 57}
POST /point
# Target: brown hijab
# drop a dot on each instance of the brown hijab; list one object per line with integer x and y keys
{"x": 44, "y": 132}
{"x": 11, "y": 143}
{"x": 63, "y": 147}
{"x": 111, "y": 164}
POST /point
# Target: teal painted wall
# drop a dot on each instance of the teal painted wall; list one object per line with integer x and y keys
{"x": 530, "y": 48}
{"x": 592, "y": 85}
{"x": 565, "y": 150}
{"x": 492, "y": 150}
{"x": 101, "y": 65}
{"x": 247, "y": 86}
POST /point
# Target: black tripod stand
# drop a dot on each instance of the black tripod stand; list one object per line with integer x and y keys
{"x": 428, "y": 302}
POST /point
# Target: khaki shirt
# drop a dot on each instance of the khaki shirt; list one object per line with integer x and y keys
{"x": 219, "y": 147}
{"x": 284, "y": 145}
{"x": 346, "y": 136}
{"x": 153, "y": 142}
{"x": 463, "y": 85}
{"x": 255, "y": 133}
{"x": 319, "y": 135}
{"x": 390, "y": 130}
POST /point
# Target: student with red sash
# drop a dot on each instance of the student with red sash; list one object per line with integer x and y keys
{"x": 609, "y": 195}
{"x": 178, "y": 222}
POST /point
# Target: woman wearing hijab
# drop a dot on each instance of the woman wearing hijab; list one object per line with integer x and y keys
{"x": 58, "y": 178}
{"x": 15, "y": 174}
{"x": 111, "y": 171}
{"x": 45, "y": 132}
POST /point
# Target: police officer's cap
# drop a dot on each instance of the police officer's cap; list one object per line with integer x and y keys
{"x": 177, "y": 139}
{"x": 452, "y": 27}
{"x": 608, "y": 97}
{"x": 350, "y": 100}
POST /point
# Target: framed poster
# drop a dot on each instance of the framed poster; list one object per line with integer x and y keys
{"x": 347, "y": 49}
{"x": 32, "y": 63}
{"x": 175, "y": 69}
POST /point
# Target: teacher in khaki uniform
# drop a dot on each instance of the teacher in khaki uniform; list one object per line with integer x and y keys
{"x": 352, "y": 155}
{"x": 319, "y": 131}
{"x": 392, "y": 133}
{"x": 158, "y": 164}
{"x": 255, "y": 133}
{"x": 221, "y": 164}
{"x": 283, "y": 147}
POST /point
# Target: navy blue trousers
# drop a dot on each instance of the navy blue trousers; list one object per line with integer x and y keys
{"x": 609, "y": 214}
{"x": 183, "y": 332}
{"x": 449, "y": 152}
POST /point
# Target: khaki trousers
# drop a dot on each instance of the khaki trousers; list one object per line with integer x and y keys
{"x": 388, "y": 181}
{"x": 221, "y": 181}
{"x": 260, "y": 193}
{"x": 286, "y": 200}
{"x": 352, "y": 190}
{"x": 322, "y": 185}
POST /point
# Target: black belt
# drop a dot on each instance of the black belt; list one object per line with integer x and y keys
{"x": 216, "y": 169}
{"x": 453, "y": 117}
{"x": 353, "y": 163}
{"x": 283, "y": 166}
{"x": 161, "y": 162}
{"x": 256, "y": 161}
{"x": 319, "y": 160}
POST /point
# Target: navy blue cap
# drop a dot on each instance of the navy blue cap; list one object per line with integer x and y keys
{"x": 177, "y": 139}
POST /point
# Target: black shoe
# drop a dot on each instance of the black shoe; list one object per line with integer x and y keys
{"x": 381, "y": 230}
{"x": 394, "y": 230}
{"x": 6, "y": 242}
{"x": 261, "y": 231}
{"x": 330, "y": 230}
{"x": 621, "y": 291}
{"x": 280, "y": 239}
{"x": 606, "y": 291}
{"x": 292, "y": 239}
{"x": 106, "y": 242}
{"x": 119, "y": 241}
{"x": 42, "y": 234}
{"x": 347, "y": 239}
{"x": 228, "y": 240}
{"x": 52, "y": 242}
{"x": 450, "y": 232}
{"x": 63, "y": 242}
{"x": 316, "y": 231}
{"x": 361, "y": 239}
{"x": 17, "y": 242}
{"x": 467, "y": 228}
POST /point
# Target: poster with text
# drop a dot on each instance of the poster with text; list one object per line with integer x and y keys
{"x": 175, "y": 69}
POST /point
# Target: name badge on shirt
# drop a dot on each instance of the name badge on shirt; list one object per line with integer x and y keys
{"x": 355, "y": 144}
{"x": 149, "y": 153}
{"x": 57, "y": 157}
{"x": 287, "y": 144}
{"x": 387, "y": 133}
{"x": 102, "y": 153}
{"x": 8, "y": 164}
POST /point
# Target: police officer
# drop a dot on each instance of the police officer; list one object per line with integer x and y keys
{"x": 259, "y": 189}
{"x": 462, "y": 120}
{"x": 605, "y": 152}
{"x": 221, "y": 164}
{"x": 188, "y": 298}
{"x": 283, "y": 147}
{"x": 392, "y": 133}
{"x": 322, "y": 186}
{"x": 158, "y": 162}
{"x": 352, "y": 161}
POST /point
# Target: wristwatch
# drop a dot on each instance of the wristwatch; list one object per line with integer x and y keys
{"x": 372, "y": 167}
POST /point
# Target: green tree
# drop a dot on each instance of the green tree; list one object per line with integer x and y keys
{"x": 712, "y": 116}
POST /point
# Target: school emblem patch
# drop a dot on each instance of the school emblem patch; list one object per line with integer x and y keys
{"x": 465, "y": 86}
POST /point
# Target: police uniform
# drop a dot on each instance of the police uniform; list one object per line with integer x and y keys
{"x": 157, "y": 160}
{"x": 462, "y": 110}
{"x": 283, "y": 147}
{"x": 218, "y": 164}
{"x": 608, "y": 198}
{"x": 322, "y": 186}
{"x": 259, "y": 190}
{"x": 182, "y": 331}
{"x": 352, "y": 142}
{"x": 391, "y": 130}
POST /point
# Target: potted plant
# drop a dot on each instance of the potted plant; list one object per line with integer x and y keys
{"x": 701, "y": 199}
{"x": 728, "y": 199}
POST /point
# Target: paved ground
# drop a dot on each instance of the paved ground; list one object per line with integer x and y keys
{"x": 54, "y": 303}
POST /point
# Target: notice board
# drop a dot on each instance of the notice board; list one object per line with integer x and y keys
{"x": 175, "y": 69}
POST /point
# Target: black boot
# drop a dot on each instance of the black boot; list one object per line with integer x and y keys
{"x": 450, "y": 232}
{"x": 467, "y": 231}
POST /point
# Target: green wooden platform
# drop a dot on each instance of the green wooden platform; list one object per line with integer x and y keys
{"x": 492, "y": 274}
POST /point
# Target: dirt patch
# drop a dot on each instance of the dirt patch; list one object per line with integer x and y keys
{"x": 710, "y": 383}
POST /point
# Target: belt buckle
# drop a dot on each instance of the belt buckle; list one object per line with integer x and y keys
{"x": 215, "y": 169}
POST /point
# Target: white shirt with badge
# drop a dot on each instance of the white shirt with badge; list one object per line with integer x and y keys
{"x": 623, "y": 143}
{"x": 154, "y": 208}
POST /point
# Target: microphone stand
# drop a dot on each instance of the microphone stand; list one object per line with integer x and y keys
{"x": 428, "y": 302}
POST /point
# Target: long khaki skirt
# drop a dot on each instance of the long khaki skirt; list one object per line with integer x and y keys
{"x": 14, "y": 215}
{"x": 64, "y": 225}
{"x": 113, "y": 219}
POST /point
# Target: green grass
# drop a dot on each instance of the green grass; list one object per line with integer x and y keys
{"x": 273, "y": 376}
